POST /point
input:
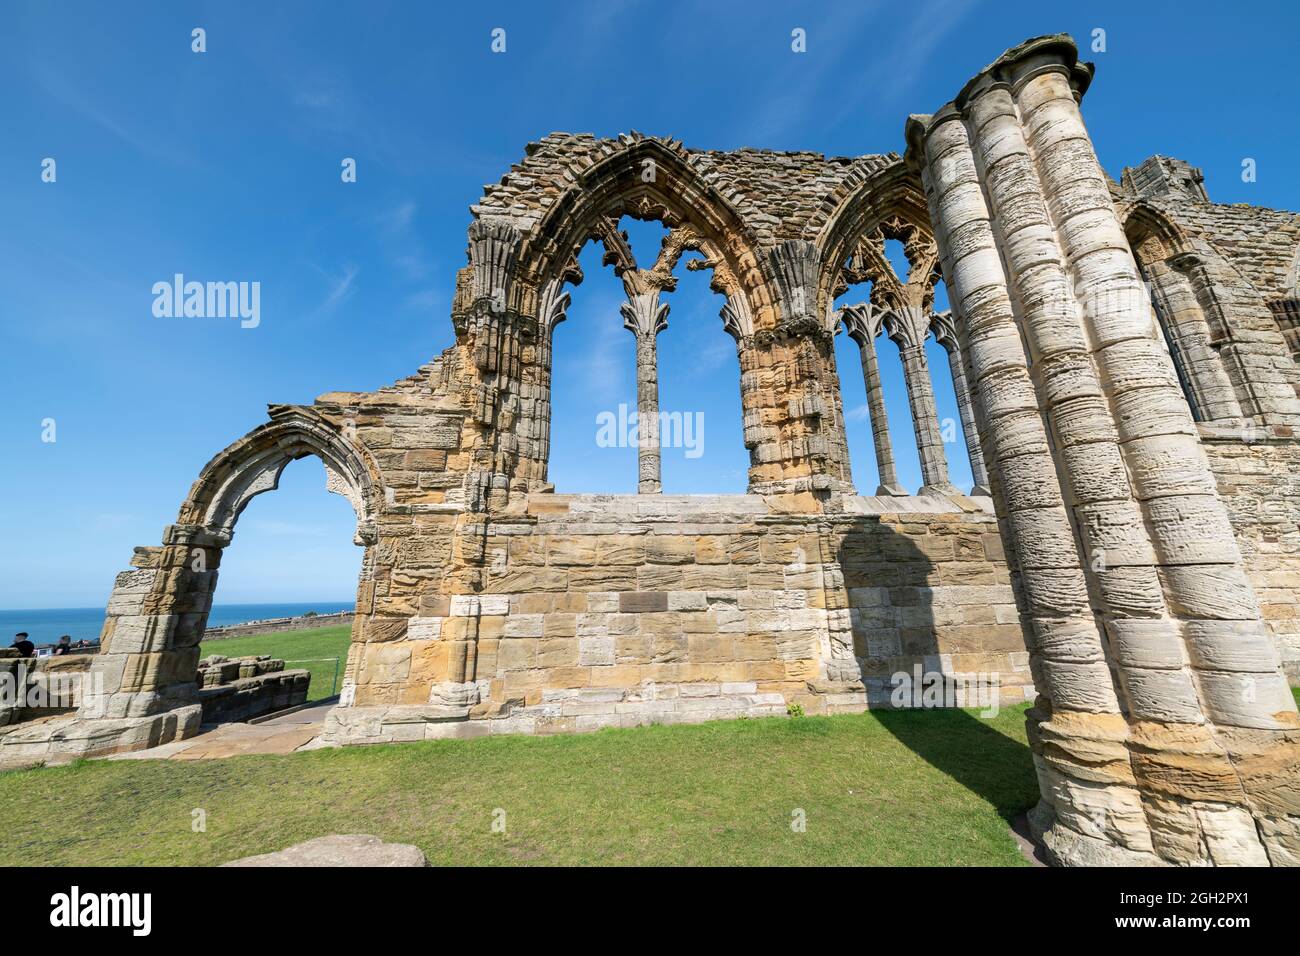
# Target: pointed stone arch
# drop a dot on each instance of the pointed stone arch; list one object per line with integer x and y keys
{"x": 158, "y": 611}
{"x": 890, "y": 204}
{"x": 648, "y": 179}
{"x": 253, "y": 465}
{"x": 892, "y": 194}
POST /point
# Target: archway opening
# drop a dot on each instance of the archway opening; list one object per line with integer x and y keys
{"x": 286, "y": 588}
{"x": 618, "y": 346}
{"x": 862, "y": 420}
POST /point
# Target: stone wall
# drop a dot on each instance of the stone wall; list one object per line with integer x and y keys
{"x": 277, "y": 625}
{"x": 625, "y": 610}
{"x": 40, "y": 686}
{"x": 241, "y": 688}
{"x": 1260, "y": 486}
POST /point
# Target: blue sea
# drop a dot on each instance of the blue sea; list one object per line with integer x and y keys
{"x": 46, "y": 626}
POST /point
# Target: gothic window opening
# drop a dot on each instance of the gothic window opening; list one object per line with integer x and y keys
{"x": 660, "y": 404}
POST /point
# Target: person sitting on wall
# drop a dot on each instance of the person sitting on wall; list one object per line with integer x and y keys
{"x": 25, "y": 647}
{"x": 64, "y": 646}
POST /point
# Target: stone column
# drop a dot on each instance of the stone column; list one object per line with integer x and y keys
{"x": 908, "y": 328}
{"x": 1188, "y": 751}
{"x": 945, "y": 333}
{"x": 811, "y": 447}
{"x": 645, "y": 316}
{"x": 156, "y": 615}
{"x": 552, "y": 309}
{"x": 863, "y": 325}
{"x": 493, "y": 334}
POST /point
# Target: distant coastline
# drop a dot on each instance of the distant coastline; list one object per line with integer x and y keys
{"x": 45, "y": 625}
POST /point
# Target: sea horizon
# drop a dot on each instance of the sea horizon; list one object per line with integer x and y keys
{"x": 46, "y": 625}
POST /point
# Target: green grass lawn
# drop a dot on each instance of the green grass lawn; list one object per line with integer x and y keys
{"x": 320, "y": 642}
{"x": 918, "y": 787}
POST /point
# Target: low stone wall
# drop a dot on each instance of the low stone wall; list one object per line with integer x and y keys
{"x": 277, "y": 625}
{"x": 602, "y": 610}
{"x": 32, "y": 687}
{"x": 251, "y": 697}
{"x": 241, "y": 688}
{"x": 1259, "y": 482}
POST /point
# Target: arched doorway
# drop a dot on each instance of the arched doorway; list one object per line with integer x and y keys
{"x": 158, "y": 610}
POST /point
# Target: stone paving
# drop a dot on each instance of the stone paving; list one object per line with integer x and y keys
{"x": 278, "y": 735}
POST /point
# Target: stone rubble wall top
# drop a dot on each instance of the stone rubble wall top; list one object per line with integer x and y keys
{"x": 779, "y": 195}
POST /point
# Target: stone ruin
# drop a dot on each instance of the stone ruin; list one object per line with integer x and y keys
{"x": 1124, "y": 354}
{"x": 241, "y": 688}
{"x": 32, "y": 688}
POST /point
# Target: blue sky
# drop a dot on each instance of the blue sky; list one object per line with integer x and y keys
{"x": 225, "y": 166}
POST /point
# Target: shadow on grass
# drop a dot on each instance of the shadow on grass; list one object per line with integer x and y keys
{"x": 959, "y": 743}
{"x": 964, "y": 747}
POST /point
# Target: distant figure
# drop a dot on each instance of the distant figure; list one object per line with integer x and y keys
{"x": 64, "y": 646}
{"x": 82, "y": 643}
{"x": 25, "y": 647}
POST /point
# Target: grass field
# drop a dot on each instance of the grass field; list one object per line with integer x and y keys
{"x": 887, "y": 788}
{"x": 898, "y": 788}
{"x": 313, "y": 644}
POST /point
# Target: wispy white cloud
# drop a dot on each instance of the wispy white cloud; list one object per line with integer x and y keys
{"x": 338, "y": 288}
{"x": 601, "y": 355}
{"x": 400, "y": 239}
{"x": 59, "y": 85}
{"x": 849, "y": 62}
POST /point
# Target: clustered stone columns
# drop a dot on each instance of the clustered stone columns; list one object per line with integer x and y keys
{"x": 1188, "y": 751}
{"x": 645, "y": 317}
{"x": 493, "y": 331}
{"x": 908, "y": 327}
{"x": 799, "y": 368}
{"x": 945, "y": 333}
{"x": 863, "y": 324}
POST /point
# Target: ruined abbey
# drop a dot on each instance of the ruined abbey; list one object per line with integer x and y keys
{"x": 1124, "y": 359}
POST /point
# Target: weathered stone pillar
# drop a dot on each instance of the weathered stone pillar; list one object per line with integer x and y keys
{"x": 645, "y": 317}
{"x": 493, "y": 333}
{"x": 908, "y": 327}
{"x": 862, "y": 322}
{"x": 552, "y": 309}
{"x": 1188, "y": 751}
{"x": 945, "y": 333}
{"x": 156, "y": 615}
{"x": 798, "y": 374}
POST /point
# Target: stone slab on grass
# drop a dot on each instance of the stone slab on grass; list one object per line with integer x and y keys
{"x": 357, "y": 849}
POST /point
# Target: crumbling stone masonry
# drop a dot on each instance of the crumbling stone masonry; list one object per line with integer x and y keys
{"x": 1129, "y": 557}
{"x": 241, "y": 688}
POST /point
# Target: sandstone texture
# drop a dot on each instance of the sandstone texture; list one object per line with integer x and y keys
{"x": 346, "y": 850}
{"x": 1124, "y": 360}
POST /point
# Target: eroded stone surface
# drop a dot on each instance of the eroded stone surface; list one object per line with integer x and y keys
{"x": 1136, "y": 563}
{"x": 343, "y": 850}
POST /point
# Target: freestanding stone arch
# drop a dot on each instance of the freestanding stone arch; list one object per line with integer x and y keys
{"x": 144, "y": 674}
{"x": 1164, "y": 731}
